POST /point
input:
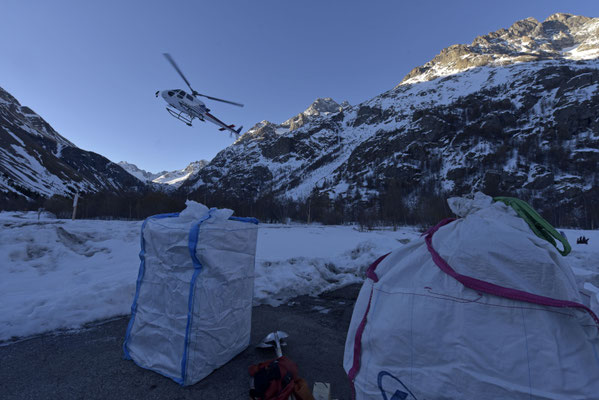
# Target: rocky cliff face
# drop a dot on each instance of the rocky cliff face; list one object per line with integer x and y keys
{"x": 35, "y": 161}
{"x": 559, "y": 37}
{"x": 515, "y": 113}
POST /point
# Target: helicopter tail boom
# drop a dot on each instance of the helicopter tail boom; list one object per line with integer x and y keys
{"x": 222, "y": 125}
{"x": 224, "y": 129}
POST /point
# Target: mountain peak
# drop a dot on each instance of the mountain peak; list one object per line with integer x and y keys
{"x": 566, "y": 18}
{"x": 139, "y": 173}
{"x": 560, "y": 36}
{"x": 28, "y": 120}
{"x": 6, "y": 97}
{"x": 173, "y": 179}
{"x": 320, "y": 106}
{"x": 38, "y": 162}
{"x": 195, "y": 166}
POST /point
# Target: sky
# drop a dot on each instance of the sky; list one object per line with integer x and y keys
{"x": 91, "y": 68}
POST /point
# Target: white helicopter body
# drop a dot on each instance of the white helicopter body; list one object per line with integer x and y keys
{"x": 185, "y": 107}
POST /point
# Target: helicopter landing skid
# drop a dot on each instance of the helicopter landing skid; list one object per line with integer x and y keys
{"x": 180, "y": 116}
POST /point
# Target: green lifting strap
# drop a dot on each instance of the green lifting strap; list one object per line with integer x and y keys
{"x": 539, "y": 226}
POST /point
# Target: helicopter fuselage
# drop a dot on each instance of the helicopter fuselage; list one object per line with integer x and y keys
{"x": 186, "y": 107}
{"x": 185, "y": 102}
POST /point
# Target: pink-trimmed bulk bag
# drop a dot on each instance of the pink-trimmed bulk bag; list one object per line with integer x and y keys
{"x": 479, "y": 307}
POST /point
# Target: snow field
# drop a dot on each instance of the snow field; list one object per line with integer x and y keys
{"x": 62, "y": 274}
{"x": 293, "y": 260}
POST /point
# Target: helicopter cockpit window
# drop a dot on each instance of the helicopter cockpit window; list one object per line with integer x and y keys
{"x": 181, "y": 94}
{"x": 188, "y": 97}
{"x": 171, "y": 94}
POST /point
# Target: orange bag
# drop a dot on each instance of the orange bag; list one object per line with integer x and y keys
{"x": 276, "y": 380}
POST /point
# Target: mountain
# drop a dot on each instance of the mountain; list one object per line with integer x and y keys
{"x": 514, "y": 113}
{"x": 179, "y": 177}
{"x": 165, "y": 179}
{"x": 140, "y": 174}
{"x": 559, "y": 37}
{"x": 37, "y": 162}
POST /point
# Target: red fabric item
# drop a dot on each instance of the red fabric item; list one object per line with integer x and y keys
{"x": 371, "y": 274}
{"x": 277, "y": 389}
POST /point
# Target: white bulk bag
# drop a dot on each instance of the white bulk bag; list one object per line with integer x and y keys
{"x": 193, "y": 303}
{"x": 419, "y": 332}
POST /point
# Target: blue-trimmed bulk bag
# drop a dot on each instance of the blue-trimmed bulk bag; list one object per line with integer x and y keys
{"x": 193, "y": 304}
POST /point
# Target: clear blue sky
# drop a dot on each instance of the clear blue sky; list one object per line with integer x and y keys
{"x": 91, "y": 68}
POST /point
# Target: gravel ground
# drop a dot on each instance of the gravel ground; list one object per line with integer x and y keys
{"x": 88, "y": 364}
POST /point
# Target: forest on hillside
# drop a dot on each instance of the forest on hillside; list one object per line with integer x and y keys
{"x": 387, "y": 207}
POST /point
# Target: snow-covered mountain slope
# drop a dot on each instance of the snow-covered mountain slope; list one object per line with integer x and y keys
{"x": 35, "y": 161}
{"x": 177, "y": 178}
{"x": 26, "y": 119}
{"x": 139, "y": 173}
{"x": 267, "y": 139}
{"x": 172, "y": 179}
{"x": 559, "y": 37}
{"x": 527, "y": 128}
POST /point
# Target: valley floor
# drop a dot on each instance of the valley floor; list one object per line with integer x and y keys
{"x": 66, "y": 289}
{"x": 61, "y": 274}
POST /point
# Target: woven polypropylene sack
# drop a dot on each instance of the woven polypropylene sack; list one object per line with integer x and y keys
{"x": 193, "y": 305}
{"x": 417, "y": 332}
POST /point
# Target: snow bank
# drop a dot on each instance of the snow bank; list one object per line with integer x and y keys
{"x": 584, "y": 261}
{"x": 293, "y": 260}
{"x": 61, "y": 274}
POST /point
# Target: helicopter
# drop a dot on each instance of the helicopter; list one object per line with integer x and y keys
{"x": 186, "y": 107}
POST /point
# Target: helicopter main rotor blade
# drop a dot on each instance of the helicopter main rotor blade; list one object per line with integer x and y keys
{"x": 217, "y": 99}
{"x": 193, "y": 92}
{"x": 174, "y": 64}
